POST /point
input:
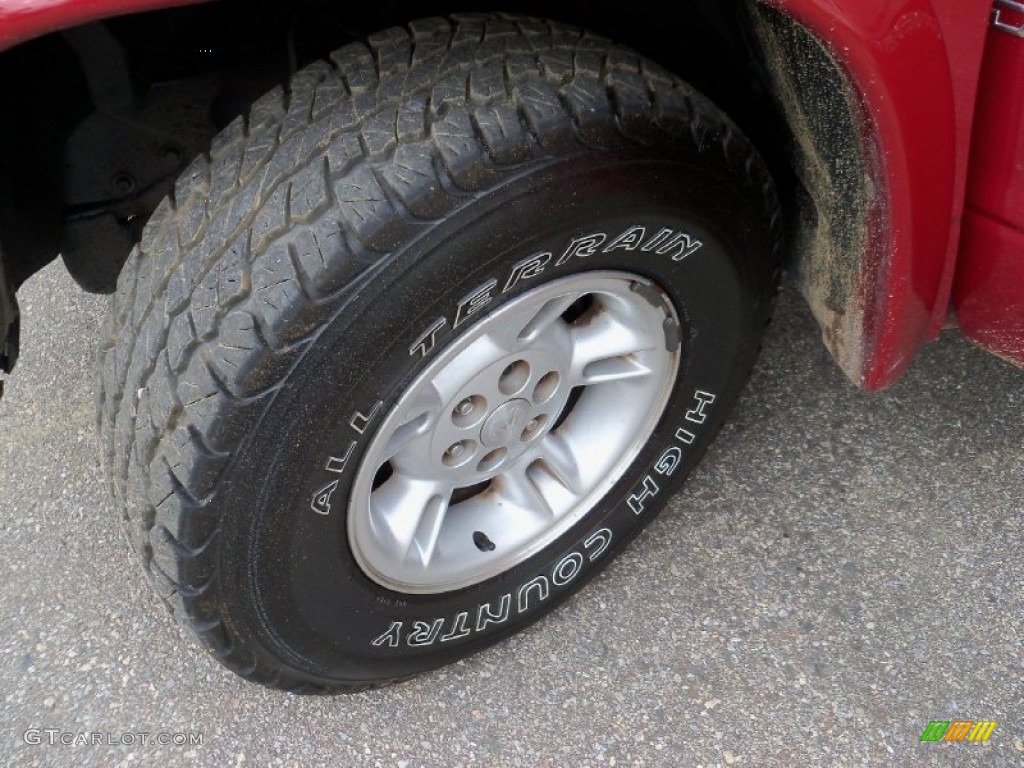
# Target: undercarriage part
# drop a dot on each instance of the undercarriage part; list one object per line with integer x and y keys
{"x": 8, "y": 326}
{"x": 121, "y": 161}
{"x": 43, "y": 98}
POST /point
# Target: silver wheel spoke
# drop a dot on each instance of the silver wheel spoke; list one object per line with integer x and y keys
{"x": 605, "y": 350}
{"x": 402, "y": 447}
{"x": 525, "y": 327}
{"x": 412, "y": 511}
{"x": 557, "y": 457}
{"x": 519, "y": 488}
{"x": 550, "y": 315}
{"x": 611, "y": 369}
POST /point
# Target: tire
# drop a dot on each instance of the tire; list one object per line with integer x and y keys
{"x": 381, "y": 233}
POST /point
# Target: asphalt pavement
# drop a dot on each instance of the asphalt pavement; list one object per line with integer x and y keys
{"x": 841, "y": 570}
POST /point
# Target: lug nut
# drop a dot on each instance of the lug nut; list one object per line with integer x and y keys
{"x": 457, "y": 452}
{"x": 531, "y": 430}
{"x": 468, "y": 411}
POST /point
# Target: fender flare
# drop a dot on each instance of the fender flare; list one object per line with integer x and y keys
{"x": 914, "y": 65}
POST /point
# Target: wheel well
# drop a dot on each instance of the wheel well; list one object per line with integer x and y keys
{"x": 114, "y": 111}
{"x": 178, "y": 76}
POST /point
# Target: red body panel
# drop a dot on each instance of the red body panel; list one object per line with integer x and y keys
{"x": 22, "y": 20}
{"x": 989, "y": 289}
{"x": 916, "y": 64}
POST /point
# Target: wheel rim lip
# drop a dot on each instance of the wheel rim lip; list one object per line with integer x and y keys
{"x": 365, "y": 544}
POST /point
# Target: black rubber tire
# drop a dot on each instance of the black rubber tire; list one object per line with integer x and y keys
{"x": 275, "y": 299}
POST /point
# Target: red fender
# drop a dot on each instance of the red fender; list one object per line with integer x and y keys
{"x": 22, "y": 20}
{"x": 915, "y": 64}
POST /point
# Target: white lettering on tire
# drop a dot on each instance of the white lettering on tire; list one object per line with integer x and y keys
{"x": 647, "y": 489}
{"x": 568, "y": 568}
{"x": 527, "y": 596}
{"x": 698, "y": 413}
{"x": 473, "y": 302}
{"x": 321, "y": 503}
{"x": 666, "y": 242}
{"x": 526, "y": 269}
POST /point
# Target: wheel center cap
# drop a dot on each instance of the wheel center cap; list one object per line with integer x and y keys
{"x": 505, "y": 423}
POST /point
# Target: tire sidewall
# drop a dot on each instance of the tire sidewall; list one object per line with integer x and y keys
{"x": 287, "y": 573}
